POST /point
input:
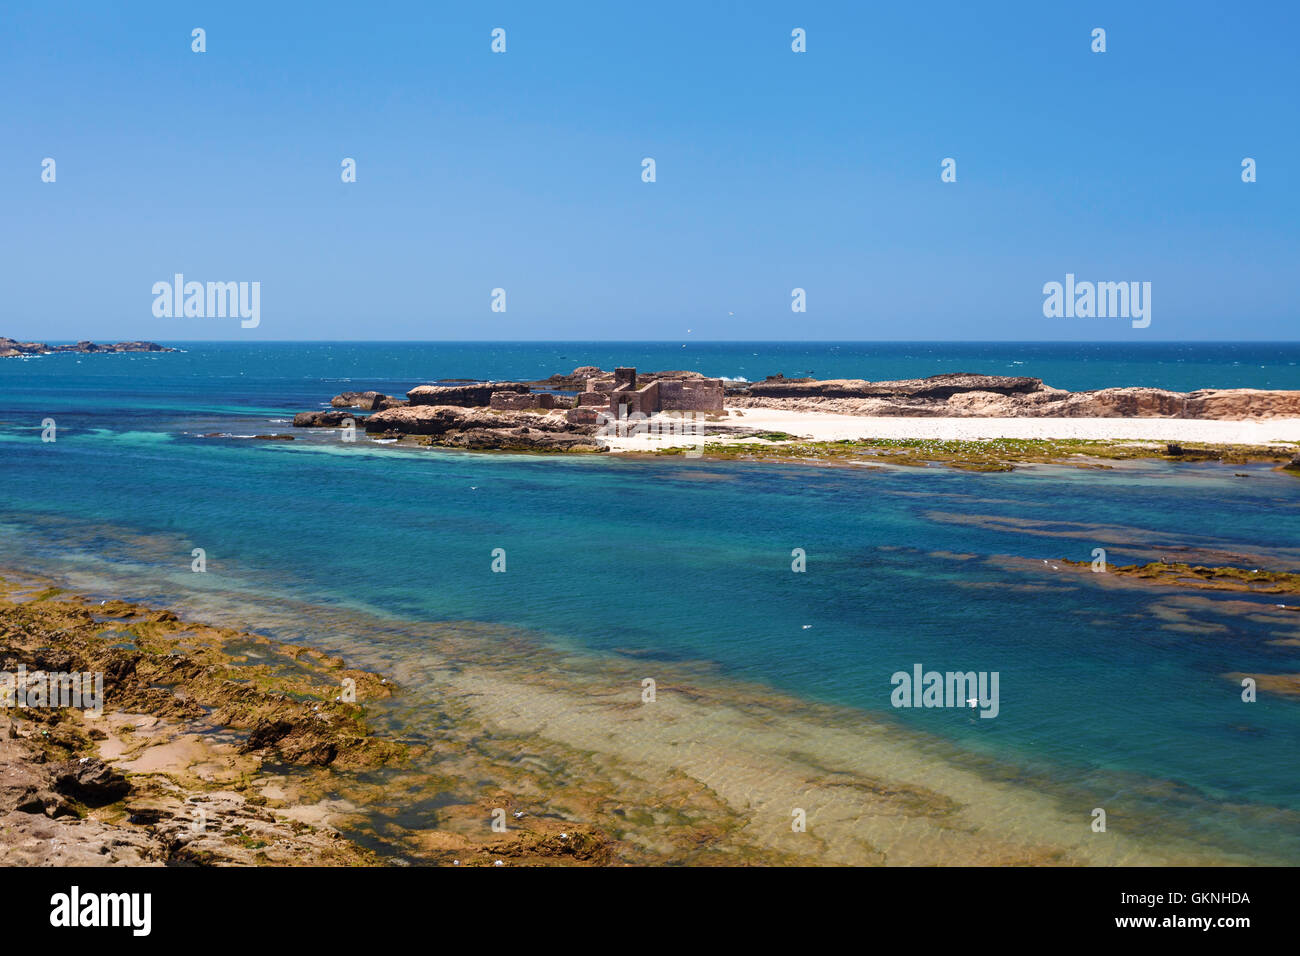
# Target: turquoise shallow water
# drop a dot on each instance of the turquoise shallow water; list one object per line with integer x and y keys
{"x": 675, "y": 559}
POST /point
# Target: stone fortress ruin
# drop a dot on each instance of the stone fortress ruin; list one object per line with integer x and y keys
{"x": 619, "y": 396}
{"x": 566, "y": 412}
{"x": 623, "y": 398}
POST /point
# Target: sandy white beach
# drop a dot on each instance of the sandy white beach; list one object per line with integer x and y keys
{"x": 821, "y": 426}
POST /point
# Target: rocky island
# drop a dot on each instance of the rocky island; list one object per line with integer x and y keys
{"x": 564, "y": 413}
{"x": 11, "y": 348}
{"x": 959, "y": 418}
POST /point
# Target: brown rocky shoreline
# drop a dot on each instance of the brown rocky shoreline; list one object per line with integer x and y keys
{"x": 213, "y": 748}
{"x": 189, "y": 715}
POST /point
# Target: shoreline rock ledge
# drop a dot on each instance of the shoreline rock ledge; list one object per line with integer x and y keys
{"x": 968, "y": 395}
{"x": 482, "y": 416}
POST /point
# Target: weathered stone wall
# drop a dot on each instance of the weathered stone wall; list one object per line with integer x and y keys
{"x": 515, "y": 401}
{"x": 702, "y": 395}
{"x": 663, "y": 395}
{"x": 633, "y": 400}
{"x": 512, "y": 400}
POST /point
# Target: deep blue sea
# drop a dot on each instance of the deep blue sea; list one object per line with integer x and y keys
{"x": 1114, "y": 689}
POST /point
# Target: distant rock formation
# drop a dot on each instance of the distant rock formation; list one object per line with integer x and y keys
{"x": 322, "y": 419}
{"x": 935, "y": 387}
{"x": 575, "y": 381}
{"x": 476, "y": 395}
{"x": 366, "y": 401}
{"x": 962, "y": 395}
{"x": 10, "y": 348}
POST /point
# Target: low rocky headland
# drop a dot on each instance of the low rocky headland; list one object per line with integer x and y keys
{"x": 11, "y": 348}
{"x": 591, "y": 411}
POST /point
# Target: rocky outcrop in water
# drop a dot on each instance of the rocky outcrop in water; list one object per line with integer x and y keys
{"x": 963, "y": 395}
{"x": 574, "y": 381}
{"x": 476, "y": 395}
{"x": 370, "y": 401}
{"x": 323, "y": 419}
{"x": 934, "y": 387}
{"x": 483, "y": 429}
{"x": 10, "y": 348}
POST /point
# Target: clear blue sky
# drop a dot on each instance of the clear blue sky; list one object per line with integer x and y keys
{"x": 775, "y": 170}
